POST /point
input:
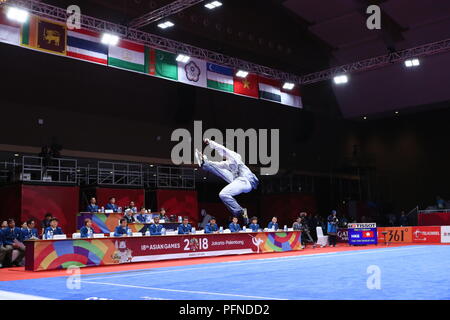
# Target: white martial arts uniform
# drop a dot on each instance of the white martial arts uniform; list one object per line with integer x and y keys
{"x": 233, "y": 170}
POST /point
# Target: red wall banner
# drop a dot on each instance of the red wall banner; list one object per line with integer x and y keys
{"x": 286, "y": 207}
{"x": 10, "y": 202}
{"x": 123, "y": 196}
{"x": 61, "y": 202}
{"x": 179, "y": 202}
{"x": 426, "y": 234}
{"x": 434, "y": 219}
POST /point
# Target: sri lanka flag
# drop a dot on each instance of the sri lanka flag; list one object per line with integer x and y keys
{"x": 86, "y": 45}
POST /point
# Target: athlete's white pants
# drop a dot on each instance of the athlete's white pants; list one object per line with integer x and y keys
{"x": 234, "y": 188}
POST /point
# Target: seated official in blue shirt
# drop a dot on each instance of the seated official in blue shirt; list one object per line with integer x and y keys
{"x": 87, "y": 231}
{"x": 111, "y": 205}
{"x": 5, "y": 251}
{"x": 141, "y": 216}
{"x": 212, "y": 226}
{"x": 92, "y": 206}
{"x": 156, "y": 227}
{"x": 254, "y": 224}
{"x": 53, "y": 229}
{"x": 12, "y": 240}
{"x": 273, "y": 224}
{"x": 122, "y": 229}
{"x": 30, "y": 232}
{"x": 234, "y": 226}
{"x": 185, "y": 227}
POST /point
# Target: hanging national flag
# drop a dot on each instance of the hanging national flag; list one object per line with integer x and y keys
{"x": 29, "y": 32}
{"x": 51, "y": 36}
{"x": 269, "y": 89}
{"x": 220, "y": 78}
{"x": 127, "y": 55}
{"x": 291, "y": 97}
{"x": 9, "y": 30}
{"x": 86, "y": 45}
{"x": 192, "y": 72}
{"x": 247, "y": 86}
{"x": 163, "y": 64}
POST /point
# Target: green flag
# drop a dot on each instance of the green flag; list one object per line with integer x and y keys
{"x": 166, "y": 65}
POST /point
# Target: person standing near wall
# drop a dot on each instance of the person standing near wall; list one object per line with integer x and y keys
{"x": 332, "y": 228}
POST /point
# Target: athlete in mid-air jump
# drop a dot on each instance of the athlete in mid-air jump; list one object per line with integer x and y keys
{"x": 233, "y": 170}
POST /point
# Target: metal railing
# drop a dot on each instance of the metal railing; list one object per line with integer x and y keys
{"x": 68, "y": 171}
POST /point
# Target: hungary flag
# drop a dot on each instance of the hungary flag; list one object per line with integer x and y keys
{"x": 9, "y": 30}
{"x": 220, "y": 78}
{"x": 269, "y": 89}
{"x": 127, "y": 55}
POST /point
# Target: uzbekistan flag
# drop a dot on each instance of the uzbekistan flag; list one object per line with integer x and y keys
{"x": 127, "y": 55}
{"x": 86, "y": 45}
{"x": 220, "y": 78}
{"x": 9, "y": 30}
{"x": 269, "y": 89}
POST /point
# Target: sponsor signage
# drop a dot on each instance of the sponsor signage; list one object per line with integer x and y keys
{"x": 395, "y": 234}
{"x": 445, "y": 234}
{"x": 51, "y": 254}
{"x": 362, "y": 233}
{"x": 426, "y": 234}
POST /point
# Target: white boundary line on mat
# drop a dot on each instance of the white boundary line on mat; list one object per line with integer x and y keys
{"x": 251, "y": 262}
{"x": 184, "y": 291}
{"x": 7, "y": 295}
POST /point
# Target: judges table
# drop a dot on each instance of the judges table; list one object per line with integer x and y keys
{"x": 107, "y": 222}
{"x": 61, "y": 254}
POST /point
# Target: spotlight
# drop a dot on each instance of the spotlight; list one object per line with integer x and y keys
{"x": 396, "y": 112}
{"x": 365, "y": 118}
{"x": 412, "y": 63}
{"x": 110, "y": 39}
{"x": 213, "y": 5}
{"x": 340, "y": 79}
{"x": 17, "y": 14}
{"x": 241, "y": 74}
{"x": 182, "y": 58}
{"x": 288, "y": 86}
{"x": 166, "y": 25}
{"x": 16, "y": 155}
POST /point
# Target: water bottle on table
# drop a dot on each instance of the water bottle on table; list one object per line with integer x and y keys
{"x": 129, "y": 233}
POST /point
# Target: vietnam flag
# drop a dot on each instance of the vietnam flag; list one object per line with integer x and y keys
{"x": 247, "y": 86}
{"x": 367, "y": 234}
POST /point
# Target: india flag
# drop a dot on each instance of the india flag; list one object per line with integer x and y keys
{"x": 9, "y": 30}
{"x": 220, "y": 78}
{"x": 127, "y": 55}
{"x": 29, "y": 32}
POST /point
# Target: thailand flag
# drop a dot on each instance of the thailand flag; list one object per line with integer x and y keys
{"x": 86, "y": 45}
